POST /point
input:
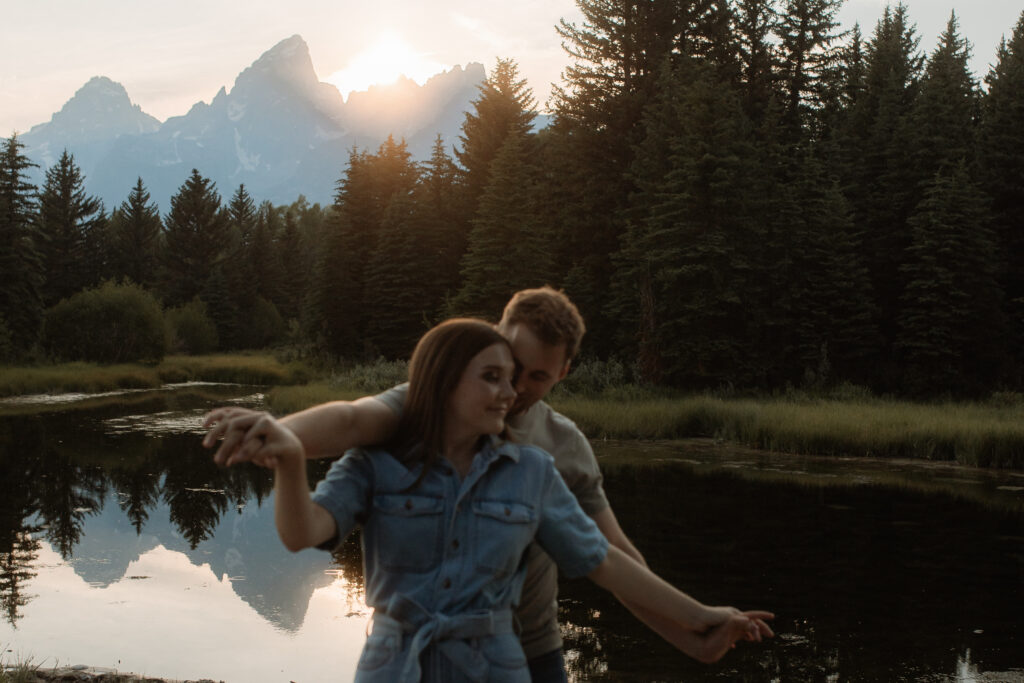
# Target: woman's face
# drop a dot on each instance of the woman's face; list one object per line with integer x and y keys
{"x": 484, "y": 393}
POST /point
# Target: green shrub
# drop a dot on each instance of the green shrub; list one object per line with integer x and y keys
{"x": 190, "y": 329}
{"x": 593, "y": 377}
{"x": 263, "y": 327}
{"x": 6, "y": 342}
{"x": 374, "y": 377}
{"x": 109, "y": 324}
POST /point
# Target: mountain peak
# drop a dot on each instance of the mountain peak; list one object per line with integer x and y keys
{"x": 286, "y": 50}
{"x": 289, "y": 59}
{"x": 100, "y": 109}
{"x": 101, "y": 86}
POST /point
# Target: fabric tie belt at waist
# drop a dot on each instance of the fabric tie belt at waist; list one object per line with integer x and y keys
{"x": 406, "y": 616}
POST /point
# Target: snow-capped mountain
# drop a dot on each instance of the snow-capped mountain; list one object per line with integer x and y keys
{"x": 279, "y": 130}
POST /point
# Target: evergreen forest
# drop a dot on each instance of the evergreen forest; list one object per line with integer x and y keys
{"x": 736, "y": 193}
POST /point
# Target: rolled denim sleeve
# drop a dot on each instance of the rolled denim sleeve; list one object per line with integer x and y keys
{"x": 566, "y": 533}
{"x": 346, "y": 493}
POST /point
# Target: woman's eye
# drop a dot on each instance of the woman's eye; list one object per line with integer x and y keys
{"x": 490, "y": 376}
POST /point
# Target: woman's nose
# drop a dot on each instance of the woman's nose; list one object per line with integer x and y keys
{"x": 507, "y": 390}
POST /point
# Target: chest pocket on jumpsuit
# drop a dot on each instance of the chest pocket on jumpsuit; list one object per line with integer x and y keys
{"x": 409, "y": 531}
{"x": 503, "y": 531}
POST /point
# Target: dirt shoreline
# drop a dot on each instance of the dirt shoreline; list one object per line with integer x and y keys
{"x": 92, "y": 674}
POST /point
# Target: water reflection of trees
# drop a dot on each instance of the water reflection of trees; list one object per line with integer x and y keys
{"x": 54, "y": 476}
{"x": 869, "y": 582}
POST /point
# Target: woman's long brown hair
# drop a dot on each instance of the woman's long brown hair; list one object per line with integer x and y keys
{"x": 435, "y": 369}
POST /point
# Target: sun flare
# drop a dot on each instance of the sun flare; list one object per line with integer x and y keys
{"x": 382, "y": 63}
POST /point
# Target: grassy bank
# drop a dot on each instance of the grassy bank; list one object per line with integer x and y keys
{"x": 982, "y": 435}
{"x": 977, "y": 434}
{"x": 91, "y": 377}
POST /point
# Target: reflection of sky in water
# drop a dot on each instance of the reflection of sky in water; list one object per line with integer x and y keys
{"x": 171, "y": 421}
{"x": 171, "y": 618}
{"x": 72, "y": 397}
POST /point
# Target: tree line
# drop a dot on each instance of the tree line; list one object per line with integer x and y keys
{"x": 735, "y": 192}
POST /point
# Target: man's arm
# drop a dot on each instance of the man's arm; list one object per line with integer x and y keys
{"x": 708, "y": 646}
{"x": 325, "y": 431}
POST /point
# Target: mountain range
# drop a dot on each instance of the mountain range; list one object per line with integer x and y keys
{"x": 279, "y": 130}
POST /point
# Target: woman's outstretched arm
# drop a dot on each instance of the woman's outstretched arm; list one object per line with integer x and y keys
{"x": 635, "y": 584}
{"x": 301, "y": 523}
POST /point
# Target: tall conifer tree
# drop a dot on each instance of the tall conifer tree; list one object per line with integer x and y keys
{"x": 686, "y": 259}
{"x": 21, "y": 308}
{"x": 946, "y": 111}
{"x": 70, "y": 222}
{"x": 1001, "y": 152}
{"x": 952, "y": 328}
{"x": 135, "y": 233}
{"x": 195, "y": 233}
{"x": 505, "y": 107}
{"x": 808, "y": 36}
{"x": 507, "y": 247}
{"x": 882, "y": 186}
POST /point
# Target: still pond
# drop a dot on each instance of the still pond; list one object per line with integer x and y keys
{"x": 122, "y": 546}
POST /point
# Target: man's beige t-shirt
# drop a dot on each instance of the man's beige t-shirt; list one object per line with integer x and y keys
{"x": 574, "y": 459}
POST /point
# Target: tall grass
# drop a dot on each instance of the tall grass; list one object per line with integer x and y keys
{"x": 21, "y": 670}
{"x": 345, "y": 384}
{"x": 92, "y": 377}
{"x": 985, "y": 435}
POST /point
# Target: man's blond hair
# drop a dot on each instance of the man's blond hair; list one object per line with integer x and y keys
{"x": 549, "y": 314}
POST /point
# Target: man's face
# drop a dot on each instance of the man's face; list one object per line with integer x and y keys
{"x": 539, "y": 366}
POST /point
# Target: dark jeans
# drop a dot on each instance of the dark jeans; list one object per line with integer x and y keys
{"x": 549, "y": 668}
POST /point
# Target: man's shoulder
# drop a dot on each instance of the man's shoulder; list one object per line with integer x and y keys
{"x": 545, "y": 427}
{"x": 541, "y": 415}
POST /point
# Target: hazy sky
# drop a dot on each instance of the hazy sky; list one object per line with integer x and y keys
{"x": 172, "y": 55}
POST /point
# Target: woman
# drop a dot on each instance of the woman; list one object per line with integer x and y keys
{"x": 448, "y": 509}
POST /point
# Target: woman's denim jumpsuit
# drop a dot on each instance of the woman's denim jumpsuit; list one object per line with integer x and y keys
{"x": 443, "y": 562}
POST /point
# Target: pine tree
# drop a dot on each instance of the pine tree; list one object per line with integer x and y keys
{"x": 135, "y": 238}
{"x": 831, "y": 306}
{"x": 400, "y": 280}
{"x": 443, "y": 212}
{"x": 293, "y": 266}
{"x": 505, "y": 107}
{"x": 262, "y": 255}
{"x": 882, "y": 186}
{"x": 506, "y": 250}
{"x": 195, "y": 234}
{"x": 685, "y": 259}
{"x": 946, "y": 111}
{"x": 807, "y": 42}
{"x": 1001, "y": 156}
{"x": 343, "y": 289}
{"x": 69, "y": 221}
{"x": 759, "y": 71}
{"x": 952, "y": 328}
{"x": 20, "y": 301}
{"x": 237, "y": 270}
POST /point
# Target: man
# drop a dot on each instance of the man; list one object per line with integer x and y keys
{"x": 544, "y": 329}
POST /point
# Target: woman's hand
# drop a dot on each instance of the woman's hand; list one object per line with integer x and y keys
{"x": 250, "y": 436}
{"x": 717, "y": 641}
